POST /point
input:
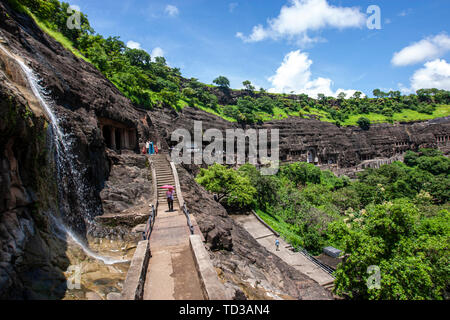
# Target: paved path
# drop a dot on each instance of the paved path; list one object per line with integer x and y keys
{"x": 171, "y": 273}
{"x": 267, "y": 238}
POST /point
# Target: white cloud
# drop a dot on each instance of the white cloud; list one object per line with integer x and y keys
{"x": 172, "y": 10}
{"x": 301, "y": 16}
{"x": 294, "y": 75}
{"x": 133, "y": 45}
{"x": 157, "y": 52}
{"x": 232, "y": 6}
{"x": 434, "y": 74}
{"x": 258, "y": 34}
{"x": 348, "y": 93}
{"x": 426, "y": 49}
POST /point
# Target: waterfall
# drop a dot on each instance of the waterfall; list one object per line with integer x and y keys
{"x": 62, "y": 228}
{"x": 70, "y": 176}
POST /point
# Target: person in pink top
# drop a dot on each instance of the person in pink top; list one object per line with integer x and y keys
{"x": 169, "y": 195}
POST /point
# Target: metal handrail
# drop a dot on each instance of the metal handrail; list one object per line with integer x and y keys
{"x": 318, "y": 263}
{"x": 186, "y": 212}
{"x": 150, "y": 222}
{"x": 303, "y": 251}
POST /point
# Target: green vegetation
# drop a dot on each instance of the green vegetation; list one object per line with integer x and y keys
{"x": 232, "y": 189}
{"x": 150, "y": 83}
{"x": 363, "y": 123}
{"x": 222, "y": 82}
{"x": 395, "y": 217}
{"x": 426, "y": 104}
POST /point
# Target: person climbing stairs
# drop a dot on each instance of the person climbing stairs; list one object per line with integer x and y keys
{"x": 171, "y": 274}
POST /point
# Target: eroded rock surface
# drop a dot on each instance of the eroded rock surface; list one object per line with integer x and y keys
{"x": 129, "y": 184}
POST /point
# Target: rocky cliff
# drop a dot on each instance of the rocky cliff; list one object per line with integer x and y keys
{"x": 100, "y": 121}
{"x": 340, "y": 149}
{"x": 33, "y": 257}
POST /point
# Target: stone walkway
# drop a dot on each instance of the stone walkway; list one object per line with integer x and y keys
{"x": 171, "y": 273}
{"x": 267, "y": 238}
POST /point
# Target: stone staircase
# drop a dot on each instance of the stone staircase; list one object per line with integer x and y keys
{"x": 171, "y": 272}
{"x": 164, "y": 175}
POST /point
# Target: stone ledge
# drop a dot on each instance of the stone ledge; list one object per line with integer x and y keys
{"x": 128, "y": 219}
{"x": 133, "y": 287}
{"x": 213, "y": 289}
{"x": 265, "y": 224}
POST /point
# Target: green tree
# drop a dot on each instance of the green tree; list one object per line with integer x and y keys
{"x": 301, "y": 173}
{"x": 410, "y": 253}
{"x": 342, "y": 95}
{"x": 266, "y": 186}
{"x": 357, "y": 95}
{"x": 233, "y": 190}
{"x": 363, "y": 123}
{"x": 248, "y": 86}
{"x": 222, "y": 82}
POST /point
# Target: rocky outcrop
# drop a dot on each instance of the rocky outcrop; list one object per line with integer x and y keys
{"x": 322, "y": 143}
{"x": 129, "y": 184}
{"x": 33, "y": 253}
{"x": 32, "y": 258}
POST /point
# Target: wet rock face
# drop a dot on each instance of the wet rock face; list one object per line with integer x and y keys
{"x": 31, "y": 256}
{"x": 80, "y": 94}
{"x": 246, "y": 267}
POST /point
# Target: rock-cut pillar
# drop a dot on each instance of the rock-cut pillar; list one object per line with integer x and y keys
{"x": 113, "y": 138}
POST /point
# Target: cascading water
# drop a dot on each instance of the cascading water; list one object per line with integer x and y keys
{"x": 62, "y": 228}
{"x": 69, "y": 175}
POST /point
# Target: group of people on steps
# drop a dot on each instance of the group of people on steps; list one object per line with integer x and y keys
{"x": 150, "y": 148}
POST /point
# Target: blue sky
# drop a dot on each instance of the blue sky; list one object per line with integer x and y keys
{"x": 305, "y": 46}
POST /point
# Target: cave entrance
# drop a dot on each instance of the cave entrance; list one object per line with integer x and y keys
{"x": 117, "y": 136}
{"x": 312, "y": 157}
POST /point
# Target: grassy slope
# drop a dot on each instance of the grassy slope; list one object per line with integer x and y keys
{"x": 66, "y": 43}
{"x": 404, "y": 116}
{"x": 278, "y": 114}
{"x": 287, "y": 231}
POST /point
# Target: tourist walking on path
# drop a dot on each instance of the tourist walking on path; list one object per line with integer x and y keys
{"x": 147, "y": 146}
{"x": 277, "y": 244}
{"x": 169, "y": 195}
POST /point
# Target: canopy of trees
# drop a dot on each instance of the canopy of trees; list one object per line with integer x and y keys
{"x": 395, "y": 217}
